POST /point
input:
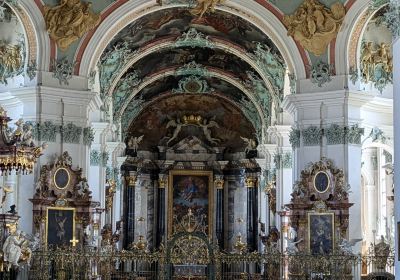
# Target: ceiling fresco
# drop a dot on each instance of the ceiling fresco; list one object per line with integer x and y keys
{"x": 173, "y": 22}
{"x": 204, "y": 56}
{"x": 152, "y": 122}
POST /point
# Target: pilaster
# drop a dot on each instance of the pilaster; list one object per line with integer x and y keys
{"x": 327, "y": 125}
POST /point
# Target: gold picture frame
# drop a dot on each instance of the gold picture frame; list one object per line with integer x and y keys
{"x": 175, "y": 179}
{"x": 56, "y": 180}
{"x": 321, "y": 232}
{"x": 60, "y": 226}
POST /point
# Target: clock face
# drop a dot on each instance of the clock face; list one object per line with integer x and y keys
{"x": 61, "y": 178}
{"x": 321, "y": 181}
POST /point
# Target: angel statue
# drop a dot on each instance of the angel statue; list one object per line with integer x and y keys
{"x": 251, "y": 144}
{"x": 346, "y": 246}
{"x": 205, "y": 5}
{"x": 207, "y": 131}
{"x": 178, "y": 126}
{"x": 133, "y": 142}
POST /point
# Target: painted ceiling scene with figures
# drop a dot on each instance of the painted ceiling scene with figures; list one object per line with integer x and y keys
{"x": 199, "y": 139}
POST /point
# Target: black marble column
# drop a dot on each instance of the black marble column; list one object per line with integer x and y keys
{"x": 219, "y": 230}
{"x": 252, "y": 216}
{"x": 129, "y": 214}
{"x": 160, "y": 216}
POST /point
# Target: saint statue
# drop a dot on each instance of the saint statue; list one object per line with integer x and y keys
{"x": 12, "y": 248}
{"x": 68, "y": 21}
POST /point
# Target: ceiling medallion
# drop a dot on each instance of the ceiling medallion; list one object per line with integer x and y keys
{"x": 314, "y": 26}
{"x": 193, "y": 84}
{"x": 17, "y": 150}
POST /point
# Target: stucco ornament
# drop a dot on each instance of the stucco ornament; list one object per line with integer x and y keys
{"x": 204, "y": 6}
{"x": 68, "y": 21}
{"x": 11, "y": 61}
{"x": 376, "y": 64}
{"x": 314, "y": 26}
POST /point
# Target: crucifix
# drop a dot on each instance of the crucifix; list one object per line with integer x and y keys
{"x": 74, "y": 241}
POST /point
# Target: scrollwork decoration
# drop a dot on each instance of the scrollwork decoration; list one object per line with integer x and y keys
{"x": 62, "y": 70}
{"x": 320, "y": 73}
{"x": 71, "y": 133}
{"x": 88, "y": 136}
{"x": 312, "y": 136}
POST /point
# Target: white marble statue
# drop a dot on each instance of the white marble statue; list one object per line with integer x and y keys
{"x": 133, "y": 142}
{"x": 12, "y": 248}
{"x": 178, "y": 126}
{"x": 27, "y": 137}
{"x": 346, "y": 246}
{"x": 251, "y": 144}
{"x": 291, "y": 248}
{"x": 207, "y": 131}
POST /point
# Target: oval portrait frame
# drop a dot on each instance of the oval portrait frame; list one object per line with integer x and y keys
{"x": 327, "y": 186}
{"x": 55, "y": 180}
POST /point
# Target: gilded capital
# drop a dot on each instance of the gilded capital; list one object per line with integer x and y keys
{"x": 251, "y": 182}
{"x": 314, "y": 26}
{"x": 219, "y": 182}
{"x": 68, "y": 21}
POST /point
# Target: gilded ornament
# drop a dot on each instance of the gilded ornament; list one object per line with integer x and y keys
{"x": 219, "y": 182}
{"x": 11, "y": 61}
{"x": 250, "y": 182}
{"x": 204, "y": 6}
{"x": 376, "y": 64}
{"x": 68, "y": 21}
{"x": 314, "y": 26}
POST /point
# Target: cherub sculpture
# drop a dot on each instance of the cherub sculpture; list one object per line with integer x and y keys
{"x": 133, "y": 142}
{"x": 346, "y": 246}
{"x": 251, "y": 144}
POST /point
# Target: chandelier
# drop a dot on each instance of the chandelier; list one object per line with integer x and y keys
{"x": 17, "y": 149}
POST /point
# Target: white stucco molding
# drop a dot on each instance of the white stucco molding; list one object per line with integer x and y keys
{"x": 42, "y": 37}
{"x": 344, "y": 37}
{"x": 248, "y": 10}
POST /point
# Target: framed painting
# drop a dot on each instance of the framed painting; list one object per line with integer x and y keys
{"x": 321, "y": 237}
{"x": 190, "y": 191}
{"x": 60, "y": 226}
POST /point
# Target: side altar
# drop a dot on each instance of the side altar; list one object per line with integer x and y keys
{"x": 62, "y": 205}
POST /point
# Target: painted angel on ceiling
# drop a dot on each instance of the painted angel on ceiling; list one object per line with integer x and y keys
{"x": 205, "y": 5}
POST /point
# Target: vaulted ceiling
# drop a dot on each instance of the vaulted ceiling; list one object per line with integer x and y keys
{"x": 177, "y": 55}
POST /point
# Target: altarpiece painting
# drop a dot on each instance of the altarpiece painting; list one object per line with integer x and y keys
{"x": 60, "y": 227}
{"x": 321, "y": 233}
{"x": 190, "y": 192}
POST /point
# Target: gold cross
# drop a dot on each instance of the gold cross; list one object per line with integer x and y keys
{"x": 74, "y": 241}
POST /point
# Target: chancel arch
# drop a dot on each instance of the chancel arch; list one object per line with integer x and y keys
{"x": 206, "y": 139}
{"x": 265, "y": 20}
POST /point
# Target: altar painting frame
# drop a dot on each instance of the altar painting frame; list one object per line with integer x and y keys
{"x": 51, "y": 224}
{"x": 174, "y": 176}
{"x": 326, "y": 220}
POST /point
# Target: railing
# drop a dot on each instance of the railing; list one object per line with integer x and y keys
{"x": 86, "y": 264}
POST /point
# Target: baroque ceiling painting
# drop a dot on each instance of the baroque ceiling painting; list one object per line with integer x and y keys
{"x": 219, "y": 53}
{"x": 191, "y": 133}
{"x": 152, "y": 122}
